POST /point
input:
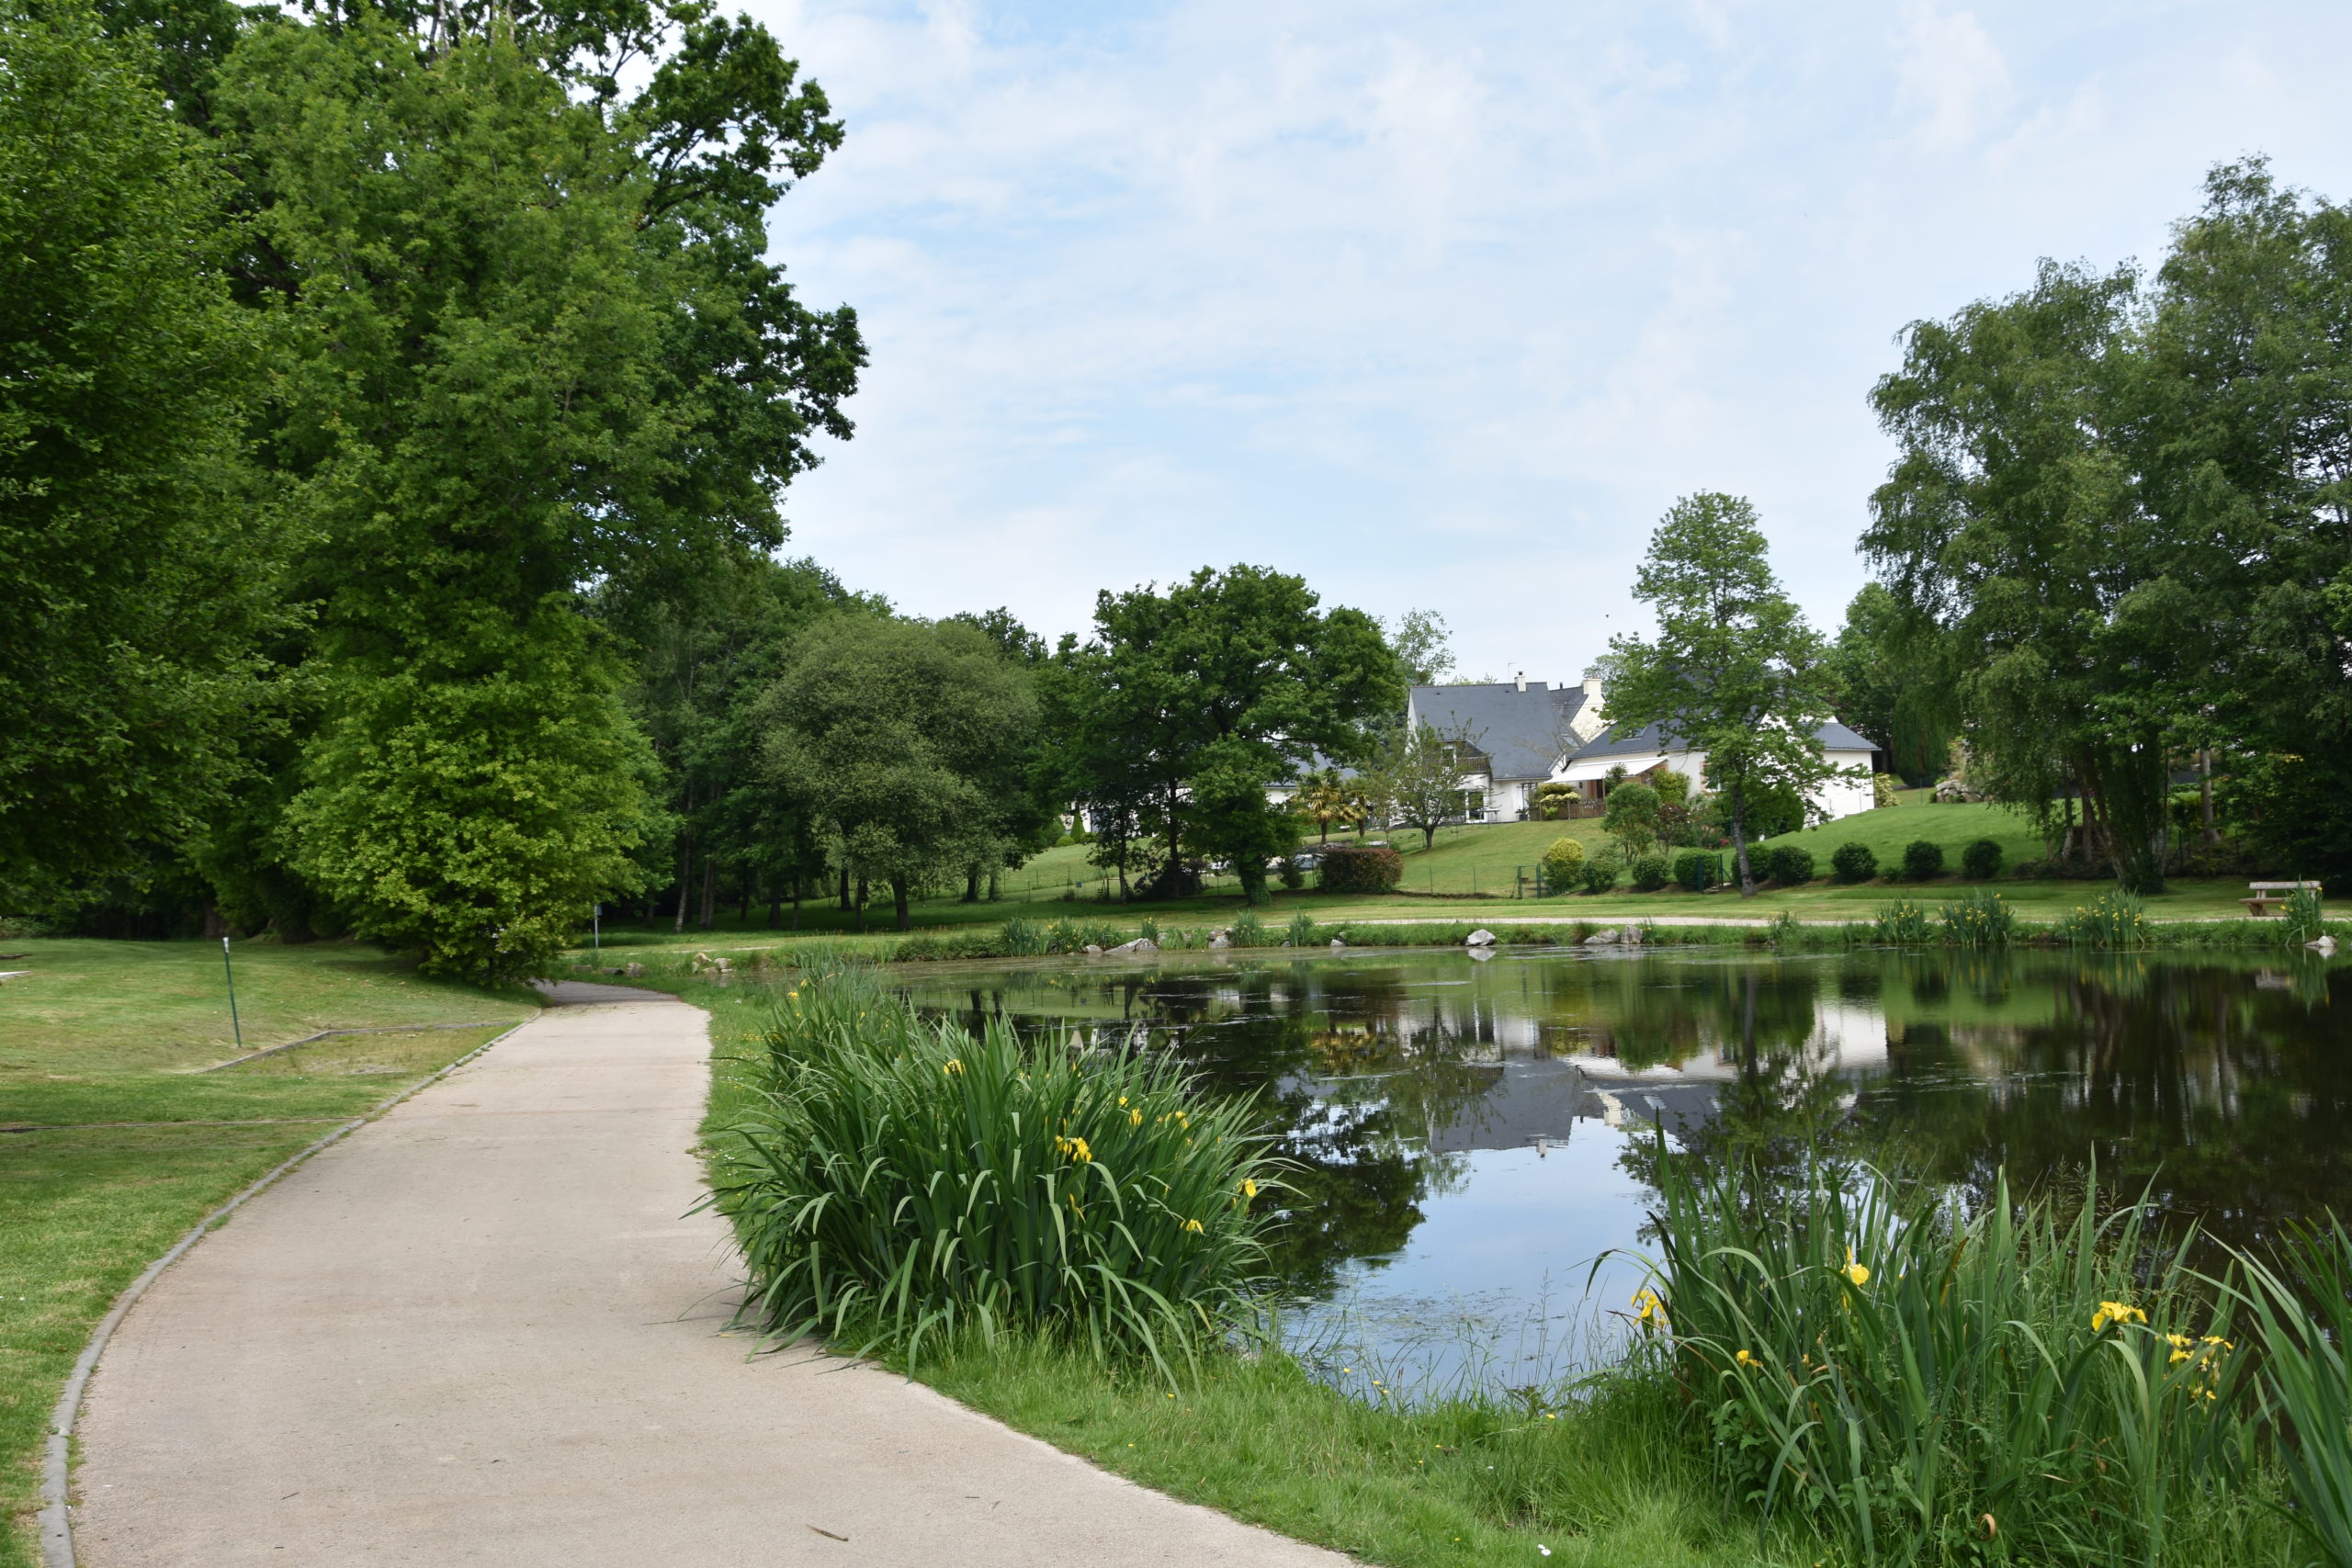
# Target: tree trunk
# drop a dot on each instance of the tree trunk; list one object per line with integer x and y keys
{"x": 1739, "y": 838}
{"x": 796, "y": 901}
{"x": 709, "y": 888}
{"x": 846, "y": 905}
{"x": 776, "y": 903}
{"x": 685, "y": 883}
{"x": 898, "y": 904}
{"x": 993, "y": 892}
{"x": 2205, "y": 795}
{"x": 972, "y": 884}
{"x": 861, "y": 905}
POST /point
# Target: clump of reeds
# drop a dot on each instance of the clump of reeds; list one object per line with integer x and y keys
{"x": 2109, "y": 921}
{"x": 902, "y": 1178}
{"x": 1924, "y": 1382}
{"x": 2301, "y": 1312}
{"x": 1982, "y": 919}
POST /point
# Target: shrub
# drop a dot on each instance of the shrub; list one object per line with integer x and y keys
{"x": 899, "y": 1178}
{"x": 1882, "y": 788}
{"x": 2111, "y": 920}
{"x": 967, "y": 942}
{"x": 1922, "y": 862}
{"x": 1984, "y": 918}
{"x": 1291, "y": 877}
{"x": 1852, "y": 863}
{"x": 1600, "y": 872}
{"x": 1902, "y": 924}
{"x": 1855, "y": 1345}
{"x": 1563, "y": 866}
{"x": 1652, "y": 871}
{"x": 1790, "y": 864}
{"x": 1695, "y": 871}
{"x": 1360, "y": 868}
{"x": 1981, "y": 862}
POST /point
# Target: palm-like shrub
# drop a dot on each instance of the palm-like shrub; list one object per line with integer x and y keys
{"x": 903, "y": 1179}
{"x": 1924, "y": 1381}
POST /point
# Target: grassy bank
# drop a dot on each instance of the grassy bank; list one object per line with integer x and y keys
{"x": 114, "y": 1140}
{"x": 1452, "y": 1484}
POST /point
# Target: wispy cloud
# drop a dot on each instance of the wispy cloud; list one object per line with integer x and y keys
{"x": 1443, "y": 306}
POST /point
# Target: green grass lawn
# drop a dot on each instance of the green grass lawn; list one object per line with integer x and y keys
{"x": 115, "y": 1033}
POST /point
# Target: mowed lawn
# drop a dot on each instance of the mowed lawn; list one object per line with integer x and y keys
{"x": 1486, "y": 872}
{"x": 113, "y": 1142}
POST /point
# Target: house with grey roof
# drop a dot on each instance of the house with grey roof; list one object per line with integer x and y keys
{"x": 1654, "y": 749}
{"x": 1516, "y": 734}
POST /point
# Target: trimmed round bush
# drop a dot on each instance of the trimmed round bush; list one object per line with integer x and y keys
{"x": 1922, "y": 862}
{"x": 1600, "y": 872}
{"x": 1652, "y": 871}
{"x": 1790, "y": 864}
{"x": 1981, "y": 862}
{"x": 1563, "y": 864}
{"x": 1695, "y": 871}
{"x": 1854, "y": 863}
{"x": 1360, "y": 868}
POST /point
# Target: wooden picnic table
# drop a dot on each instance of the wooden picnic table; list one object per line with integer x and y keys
{"x": 2270, "y": 896}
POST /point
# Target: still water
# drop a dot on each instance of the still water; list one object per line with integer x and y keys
{"x": 1473, "y": 1135}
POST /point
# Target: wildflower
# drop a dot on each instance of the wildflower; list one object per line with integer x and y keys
{"x": 952, "y": 1066}
{"x": 1123, "y": 1102}
{"x": 1193, "y": 1226}
{"x": 1075, "y": 1148}
{"x": 1651, "y": 1312}
{"x": 1248, "y": 1188}
{"x": 1744, "y": 1360}
{"x": 2115, "y": 1312}
{"x": 1860, "y": 1275}
{"x": 1134, "y": 1118}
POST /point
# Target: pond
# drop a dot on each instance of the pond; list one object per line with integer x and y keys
{"x": 1473, "y": 1134}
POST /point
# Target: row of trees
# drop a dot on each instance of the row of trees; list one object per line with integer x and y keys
{"x": 353, "y": 359}
{"x": 2117, "y": 544}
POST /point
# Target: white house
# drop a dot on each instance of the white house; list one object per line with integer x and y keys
{"x": 1519, "y": 731}
{"x": 1651, "y": 749}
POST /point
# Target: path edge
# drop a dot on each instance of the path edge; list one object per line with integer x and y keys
{"x": 55, "y": 1519}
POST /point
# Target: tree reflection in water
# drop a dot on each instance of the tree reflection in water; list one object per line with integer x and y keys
{"x": 2221, "y": 1083}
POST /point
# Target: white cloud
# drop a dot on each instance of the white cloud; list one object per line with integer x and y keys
{"x": 1444, "y": 308}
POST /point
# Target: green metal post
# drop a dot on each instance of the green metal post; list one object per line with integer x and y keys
{"x": 229, "y": 970}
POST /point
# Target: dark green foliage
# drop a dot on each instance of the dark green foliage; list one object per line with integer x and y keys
{"x": 1922, "y": 861}
{"x": 2301, "y": 1304}
{"x": 1981, "y": 860}
{"x": 1630, "y": 816}
{"x": 1852, "y": 862}
{"x": 1651, "y": 871}
{"x": 902, "y": 1180}
{"x": 1188, "y": 704}
{"x": 1790, "y": 866}
{"x": 1360, "y": 868}
{"x": 1600, "y": 872}
{"x": 1695, "y": 871}
{"x": 1874, "y": 664}
{"x": 139, "y": 553}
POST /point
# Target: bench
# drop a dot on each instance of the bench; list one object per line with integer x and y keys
{"x": 2270, "y": 896}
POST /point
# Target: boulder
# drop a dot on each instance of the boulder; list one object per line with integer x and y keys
{"x": 1093, "y": 950}
{"x": 1602, "y": 938}
{"x": 1482, "y": 937}
{"x": 1217, "y": 940}
{"x": 2324, "y": 946}
{"x": 1139, "y": 947}
{"x": 634, "y": 971}
{"x": 1339, "y": 942}
{"x": 1631, "y": 936}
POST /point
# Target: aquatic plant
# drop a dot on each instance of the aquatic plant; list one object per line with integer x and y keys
{"x": 1022, "y": 939}
{"x": 1301, "y": 930}
{"x": 1249, "y": 931}
{"x": 1922, "y": 1379}
{"x": 2302, "y": 1321}
{"x": 899, "y": 1178}
{"x": 2304, "y": 920}
{"x": 1902, "y": 924}
{"x": 2109, "y": 921}
{"x": 1983, "y": 918}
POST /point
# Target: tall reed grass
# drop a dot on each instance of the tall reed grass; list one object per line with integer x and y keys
{"x": 899, "y": 1178}
{"x": 2301, "y": 1313}
{"x": 1929, "y": 1382}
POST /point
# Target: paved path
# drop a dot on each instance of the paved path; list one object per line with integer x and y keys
{"x": 479, "y": 1332}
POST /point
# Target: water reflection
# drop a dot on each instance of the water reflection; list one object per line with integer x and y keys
{"x": 1468, "y": 1136}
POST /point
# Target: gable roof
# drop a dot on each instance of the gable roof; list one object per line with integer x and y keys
{"x": 1652, "y": 740}
{"x": 1523, "y": 734}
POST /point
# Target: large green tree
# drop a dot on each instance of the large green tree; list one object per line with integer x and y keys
{"x": 138, "y": 553}
{"x": 907, "y": 743}
{"x": 531, "y": 343}
{"x": 1734, "y": 670}
{"x": 1883, "y": 685}
{"x": 1187, "y": 705}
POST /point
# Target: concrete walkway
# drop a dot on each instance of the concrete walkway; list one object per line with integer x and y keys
{"x": 479, "y": 1331}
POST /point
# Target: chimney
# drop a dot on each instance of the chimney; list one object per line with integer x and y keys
{"x": 1592, "y": 685}
{"x": 1523, "y": 679}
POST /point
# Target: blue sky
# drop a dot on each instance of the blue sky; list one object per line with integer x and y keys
{"x": 1443, "y": 306}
